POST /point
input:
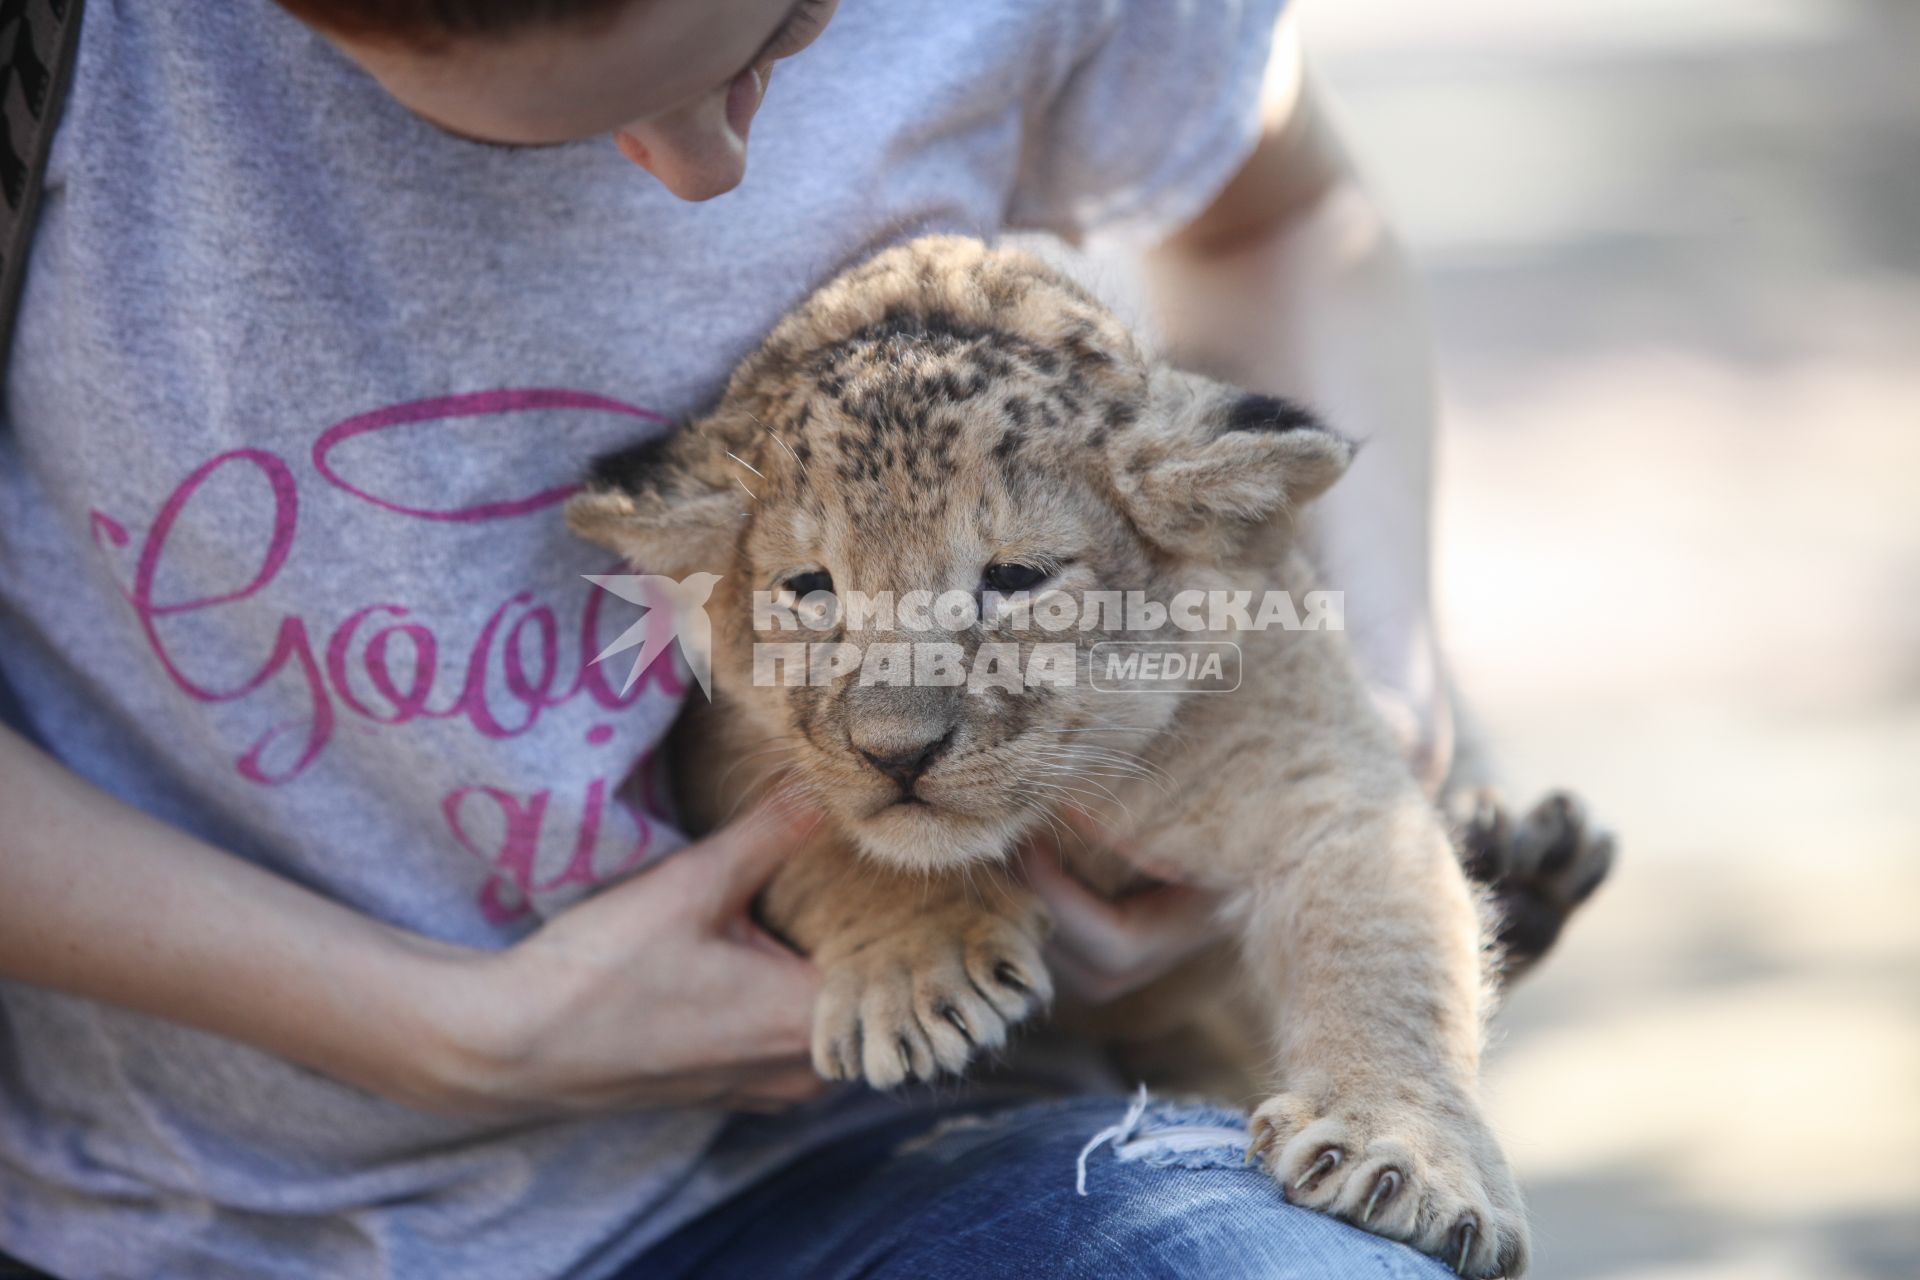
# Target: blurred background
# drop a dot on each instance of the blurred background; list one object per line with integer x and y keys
{"x": 1672, "y": 249}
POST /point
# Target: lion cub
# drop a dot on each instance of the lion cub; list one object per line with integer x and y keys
{"x": 966, "y": 424}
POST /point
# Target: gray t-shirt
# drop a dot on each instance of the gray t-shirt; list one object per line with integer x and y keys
{"x": 299, "y": 385}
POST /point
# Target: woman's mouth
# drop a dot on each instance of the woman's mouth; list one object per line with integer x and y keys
{"x": 743, "y": 98}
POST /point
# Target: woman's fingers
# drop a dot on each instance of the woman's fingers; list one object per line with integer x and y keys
{"x": 763, "y": 1002}
{"x": 777, "y": 1090}
{"x": 1126, "y": 941}
{"x": 1098, "y": 833}
{"x": 764, "y": 1087}
{"x": 662, "y": 989}
{"x": 1091, "y": 926}
{"x": 735, "y": 862}
{"x": 1424, "y": 729}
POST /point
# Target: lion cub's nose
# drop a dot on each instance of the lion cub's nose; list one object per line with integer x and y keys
{"x": 904, "y": 762}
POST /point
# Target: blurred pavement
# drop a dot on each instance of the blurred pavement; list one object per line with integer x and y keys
{"x": 1673, "y": 249}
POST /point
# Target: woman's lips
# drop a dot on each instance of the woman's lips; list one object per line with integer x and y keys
{"x": 743, "y": 98}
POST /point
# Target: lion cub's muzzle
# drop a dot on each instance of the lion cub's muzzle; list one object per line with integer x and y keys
{"x": 906, "y": 765}
{"x": 902, "y": 733}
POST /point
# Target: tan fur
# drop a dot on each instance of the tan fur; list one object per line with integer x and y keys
{"x": 947, "y": 407}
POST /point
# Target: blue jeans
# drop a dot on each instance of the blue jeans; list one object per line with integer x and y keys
{"x": 973, "y": 1194}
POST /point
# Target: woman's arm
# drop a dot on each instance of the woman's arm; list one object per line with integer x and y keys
{"x": 100, "y": 900}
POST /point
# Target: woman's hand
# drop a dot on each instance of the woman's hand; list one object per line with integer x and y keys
{"x": 657, "y": 991}
{"x": 660, "y": 991}
{"x": 1103, "y": 948}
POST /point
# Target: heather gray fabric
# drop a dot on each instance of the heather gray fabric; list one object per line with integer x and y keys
{"x": 298, "y": 386}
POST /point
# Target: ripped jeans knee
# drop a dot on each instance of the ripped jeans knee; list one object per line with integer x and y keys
{"x": 1182, "y": 1135}
{"x": 1092, "y": 1186}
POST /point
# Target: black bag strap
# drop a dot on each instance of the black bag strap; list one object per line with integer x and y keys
{"x": 38, "y": 39}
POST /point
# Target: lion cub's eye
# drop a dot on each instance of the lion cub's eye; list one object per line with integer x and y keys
{"x": 1008, "y": 578}
{"x": 805, "y": 584}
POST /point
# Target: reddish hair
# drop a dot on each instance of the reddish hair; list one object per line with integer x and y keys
{"x": 431, "y": 22}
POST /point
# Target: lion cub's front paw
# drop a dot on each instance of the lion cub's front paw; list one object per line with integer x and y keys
{"x": 1426, "y": 1173}
{"x": 923, "y": 998}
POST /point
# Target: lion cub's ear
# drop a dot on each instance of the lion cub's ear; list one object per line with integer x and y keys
{"x": 1207, "y": 465}
{"x": 667, "y": 505}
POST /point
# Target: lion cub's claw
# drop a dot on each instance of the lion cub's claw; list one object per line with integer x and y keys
{"x": 1385, "y": 1187}
{"x": 926, "y": 999}
{"x": 1431, "y": 1177}
{"x": 1464, "y": 1233}
{"x": 1325, "y": 1163}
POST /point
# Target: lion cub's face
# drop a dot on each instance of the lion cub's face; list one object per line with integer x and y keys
{"x": 942, "y": 732}
{"x": 926, "y": 468}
